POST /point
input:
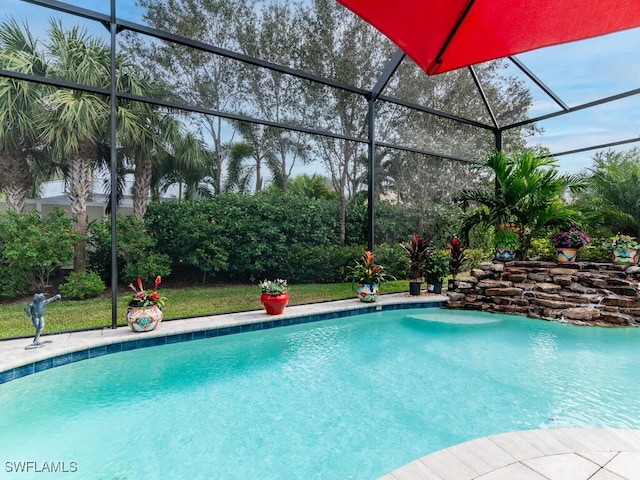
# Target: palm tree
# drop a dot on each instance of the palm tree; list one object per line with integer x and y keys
{"x": 188, "y": 163}
{"x": 76, "y": 121}
{"x": 528, "y": 192}
{"x": 314, "y": 186}
{"x": 612, "y": 197}
{"x": 248, "y": 158}
{"x": 145, "y": 134}
{"x": 19, "y": 108}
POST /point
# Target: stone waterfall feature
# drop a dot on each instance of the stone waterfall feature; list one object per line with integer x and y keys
{"x": 584, "y": 293}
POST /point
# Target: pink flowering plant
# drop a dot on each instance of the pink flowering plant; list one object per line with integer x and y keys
{"x": 572, "y": 238}
{"x": 144, "y": 298}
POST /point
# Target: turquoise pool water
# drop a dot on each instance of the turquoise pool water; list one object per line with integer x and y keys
{"x": 346, "y": 399}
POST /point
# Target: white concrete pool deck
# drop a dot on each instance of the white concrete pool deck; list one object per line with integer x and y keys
{"x": 550, "y": 454}
{"x": 13, "y": 353}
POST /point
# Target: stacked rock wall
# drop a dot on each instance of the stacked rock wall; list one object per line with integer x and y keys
{"x": 582, "y": 293}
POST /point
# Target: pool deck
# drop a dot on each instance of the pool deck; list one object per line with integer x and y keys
{"x": 550, "y": 454}
{"x": 13, "y": 353}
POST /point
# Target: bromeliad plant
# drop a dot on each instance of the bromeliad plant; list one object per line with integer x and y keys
{"x": 623, "y": 242}
{"x": 572, "y": 238}
{"x": 274, "y": 287}
{"x": 144, "y": 298}
{"x": 366, "y": 271}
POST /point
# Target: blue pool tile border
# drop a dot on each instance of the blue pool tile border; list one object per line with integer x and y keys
{"x": 127, "y": 345}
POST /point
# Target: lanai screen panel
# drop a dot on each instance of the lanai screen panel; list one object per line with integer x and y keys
{"x": 442, "y": 35}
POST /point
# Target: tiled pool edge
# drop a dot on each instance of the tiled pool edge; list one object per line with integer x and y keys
{"x": 132, "y": 342}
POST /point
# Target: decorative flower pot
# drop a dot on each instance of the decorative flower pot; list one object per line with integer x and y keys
{"x": 414, "y": 287}
{"x": 368, "y": 292}
{"x": 566, "y": 255}
{"x": 274, "y": 304}
{"x": 505, "y": 254}
{"x": 144, "y": 319}
{"x": 625, "y": 255}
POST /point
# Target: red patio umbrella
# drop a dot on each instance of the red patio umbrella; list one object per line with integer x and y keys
{"x": 442, "y": 35}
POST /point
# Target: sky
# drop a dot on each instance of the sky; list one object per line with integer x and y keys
{"x": 577, "y": 72}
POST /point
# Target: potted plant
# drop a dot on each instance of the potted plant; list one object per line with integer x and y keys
{"x": 275, "y": 295}
{"x": 144, "y": 312}
{"x": 417, "y": 250}
{"x": 506, "y": 240}
{"x": 437, "y": 266}
{"x": 568, "y": 243}
{"x": 368, "y": 275}
{"x": 625, "y": 249}
{"x": 457, "y": 257}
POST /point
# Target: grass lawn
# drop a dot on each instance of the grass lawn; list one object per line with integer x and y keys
{"x": 68, "y": 315}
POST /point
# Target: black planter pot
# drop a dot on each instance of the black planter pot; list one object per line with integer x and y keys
{"x": 435, "y": 287}
{"x": 414, "y": 287}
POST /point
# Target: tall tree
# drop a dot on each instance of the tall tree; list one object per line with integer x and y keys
{"x": 197, "y": 77}
{"x": 20, "y": 109}
{"x": 274, "y": 33}
{"x": 428, "y": 185}
{"x": 76, "y": 121}
{"x": 346, "y": 48}
{"x": 145, "y": 134}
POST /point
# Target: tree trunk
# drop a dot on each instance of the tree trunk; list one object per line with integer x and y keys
{"x": 141, "y": 184}
{"x": 343, "y": 220}
{"x": 80, "y": 181}
{"x": 15, "y": 181}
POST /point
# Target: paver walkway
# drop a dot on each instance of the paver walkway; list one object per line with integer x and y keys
{"x": 553, "y": 454}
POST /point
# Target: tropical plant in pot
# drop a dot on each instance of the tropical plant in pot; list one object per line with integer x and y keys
{"x": 368, "y": 275}
{"x": 625, "y": 249}
{"x": 436, "y": 267}
{"x": 275, "y": 295}
{"x": 417, "y": 251}
{"x": 567, "y": 244}
{"x": 506, "y": 240}
{"x": 144, "y": 312}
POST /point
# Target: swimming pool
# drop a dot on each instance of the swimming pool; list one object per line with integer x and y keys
{"x": 348, "y": 398}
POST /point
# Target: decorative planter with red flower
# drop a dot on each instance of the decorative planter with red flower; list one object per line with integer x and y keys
{"x": 368, "y": 275}
{"x": 144, "y": 319}
{"x": 145, "y": 313}
{"x": 368, "y": 292}
{"x": 275, "y": 295}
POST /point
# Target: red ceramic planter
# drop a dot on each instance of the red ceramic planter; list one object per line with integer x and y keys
{"x": 274, "y": 304}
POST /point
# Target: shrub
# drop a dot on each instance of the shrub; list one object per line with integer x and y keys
{"x": 475, "y": 256}
{"x": 137, "y": 255}
{"x": 542, "y": 249}
{"x": 595, "y": 253}
{"x": 32, "y": 248}
{"x": 82, "y": 285}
